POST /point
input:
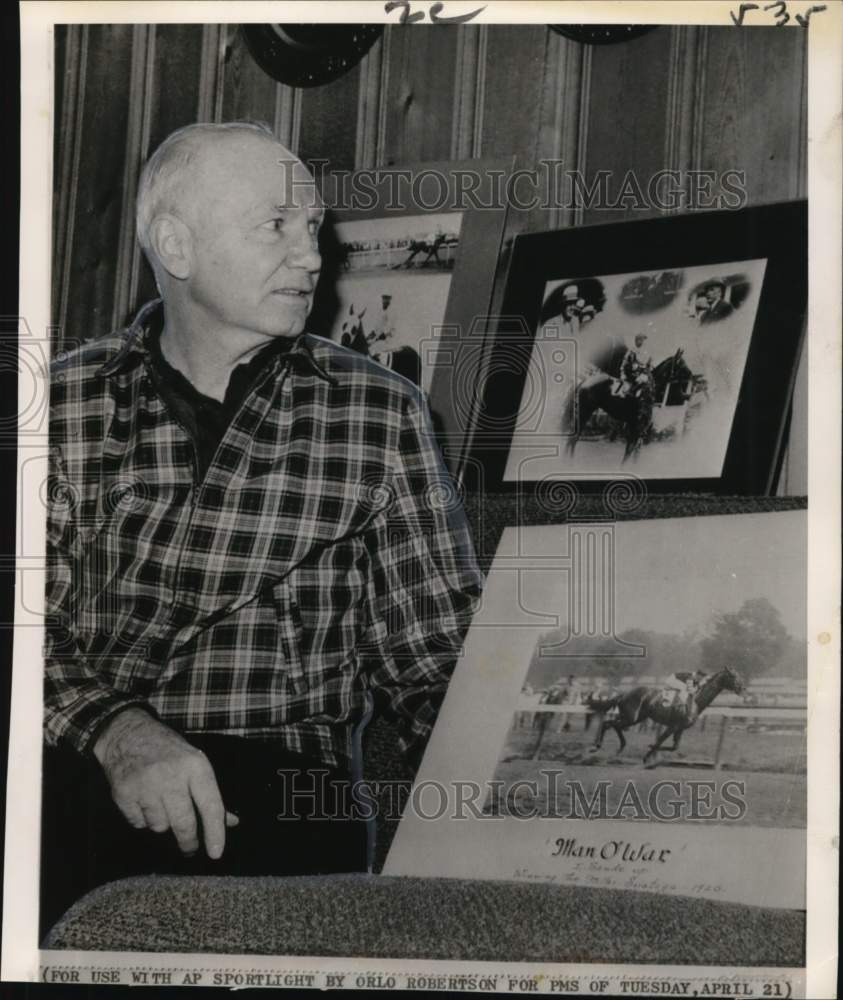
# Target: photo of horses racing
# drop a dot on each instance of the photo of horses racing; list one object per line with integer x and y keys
{"x": 638, "y": 371}
{"x": 718, "y": 691}
{"x": 393, "y": 280}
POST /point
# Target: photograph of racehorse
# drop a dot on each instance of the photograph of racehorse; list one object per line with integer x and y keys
{"x": 629, "y": 374}
{"x": 621, "y": 711}
{"x": 699, "y": 672}
{"x": 631, "y": 413}
{"x": 393, "y": 281}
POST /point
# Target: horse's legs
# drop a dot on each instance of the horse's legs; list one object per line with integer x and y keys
{"x": 662, "y": 737}
{"x": 543, "y": 721}
{"x": 604, "y": 725}
{"x": 621, "y": 737}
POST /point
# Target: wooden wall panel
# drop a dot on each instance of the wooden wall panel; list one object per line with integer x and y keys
{"x": 626, "y": 123}
{"x": 371, "y": 86}
{"x": 247, "y": 91}
{"x": 91, "y": 247}
{"x": 469, "y": 90}
{"x": 753, "y": 94}
{"x": 175, "y": 94}
{"x": 328, "y": 128}
{"x": 515, "y": 67}
{"x": 69, "y": 65}
{"x": 174, "y": 101}
{"x": 561, "y": 126}
{"x": 419, "y": 101}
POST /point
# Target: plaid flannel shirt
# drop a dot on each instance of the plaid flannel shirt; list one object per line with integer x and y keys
{"x": 323, "y": 563}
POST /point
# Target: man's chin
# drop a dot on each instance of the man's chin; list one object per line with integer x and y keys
{"x": 285, "y": 322}
{"x": 290, "y": 317}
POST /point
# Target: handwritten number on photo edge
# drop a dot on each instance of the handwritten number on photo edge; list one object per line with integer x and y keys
{"x": 742, "y": 11}
{"x": 781, "y": 13}
{"x": 804, "y": 19}
{"x": 434, "y": 13}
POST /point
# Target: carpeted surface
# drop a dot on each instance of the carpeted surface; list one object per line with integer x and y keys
{"x": 557, "y": 503}
{"x": 378, "y": 917}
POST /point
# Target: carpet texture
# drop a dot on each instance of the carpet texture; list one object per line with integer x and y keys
{"x": 552, "y": 503}
{"x": 379, "y": 917}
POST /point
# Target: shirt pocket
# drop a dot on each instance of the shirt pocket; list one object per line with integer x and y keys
{"x": 290, "y": 634}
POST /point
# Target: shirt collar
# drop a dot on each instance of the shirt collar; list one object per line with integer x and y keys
{"x": 136, "y": 346}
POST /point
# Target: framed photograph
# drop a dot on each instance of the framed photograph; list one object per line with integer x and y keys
{"x": 663, "y": 350}
{"x": 646, "y": 732}
{"x": 409, "y": 263}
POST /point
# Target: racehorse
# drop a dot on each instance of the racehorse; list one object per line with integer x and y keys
{"x": 403, "y": 360}
{"x": 429, "y": 247}
{"x": 648, "y": 703}
{"x": 670, "y": 383}
{"x": 634, "y": 411}
{"x": 352, "y": 334}
{"x": 673, "y": 381}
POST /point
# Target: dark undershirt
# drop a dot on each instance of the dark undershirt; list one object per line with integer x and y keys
{"x": 206, "y": 419}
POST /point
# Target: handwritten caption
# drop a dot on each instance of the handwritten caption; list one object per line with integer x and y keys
{"x": 434, "y": 12}
{"x": 777, "y": 12}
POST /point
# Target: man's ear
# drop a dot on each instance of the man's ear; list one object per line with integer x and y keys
{"x": 171, "y": 242}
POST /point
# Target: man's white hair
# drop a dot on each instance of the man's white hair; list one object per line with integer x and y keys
{"x": 166, "y": 169}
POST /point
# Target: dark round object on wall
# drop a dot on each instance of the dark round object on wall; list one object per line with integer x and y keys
{"x": 308, "y": 55}
{"x": 602, "y": 34}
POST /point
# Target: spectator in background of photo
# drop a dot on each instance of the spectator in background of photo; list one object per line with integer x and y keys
{"x": 386, "y": 323}
{"x": 718, "y": 307}
{"x": 699, "y": 307}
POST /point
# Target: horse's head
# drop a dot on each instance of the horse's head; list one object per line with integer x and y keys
{"x": 732, "y": 680}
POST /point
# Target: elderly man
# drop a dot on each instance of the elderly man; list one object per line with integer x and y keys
{"x": 249, "y": 552}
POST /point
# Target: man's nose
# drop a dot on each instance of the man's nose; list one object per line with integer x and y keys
{"x": 305, "y": 252}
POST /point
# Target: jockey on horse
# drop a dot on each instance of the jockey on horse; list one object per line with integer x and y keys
{"x": 680, "y": 687}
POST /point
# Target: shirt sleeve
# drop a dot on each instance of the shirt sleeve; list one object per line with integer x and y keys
{"x": 77, "y": 701}
{"x": 424, "y": 588}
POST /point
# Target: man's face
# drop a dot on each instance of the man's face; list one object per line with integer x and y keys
{"x": 713, "y": 294}
{"x": 255, "y": 223}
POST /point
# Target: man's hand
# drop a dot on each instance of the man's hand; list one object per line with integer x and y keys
{"x": 158, "y": 780}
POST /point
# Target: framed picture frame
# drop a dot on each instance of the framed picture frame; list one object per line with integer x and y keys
{"x": 662, "y": 351}
{"x": 410, "y": 258}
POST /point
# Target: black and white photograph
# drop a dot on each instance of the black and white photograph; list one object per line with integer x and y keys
{"x": 668, "y": 350}
{"x": 654, "y": 740}
{"x": 643, "y": 374}
{"x": 718, "y": 687}
{"x": 415, "y": 584}
{"x": 394, "y": 276}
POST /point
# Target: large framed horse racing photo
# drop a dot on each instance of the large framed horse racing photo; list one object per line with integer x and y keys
{"x": 663, "y": 350}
